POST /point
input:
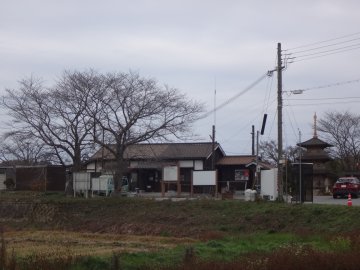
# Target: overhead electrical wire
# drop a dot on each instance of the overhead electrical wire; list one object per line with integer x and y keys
{"x": 325, "y": 46}
{"x": 352, "y": 46}
{"x": 293, "y": 55}
{"x": 324, "y": 41}
{"x": 247, "y": 124}
{"x": 293, "y": 114}
{"x": 272, "y": 125}
{"x": 324, "y": 103}
{"x": 314, "y": 57}
{"x": 291, "y": 124}
{"x": 252, "y": 85}
{"x": 313, "y": 51}
{"x": 323, "y": 86}
{"x": 329, "y": 98}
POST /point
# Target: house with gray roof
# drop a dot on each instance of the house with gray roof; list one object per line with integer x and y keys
{"x": 145, "y": 162}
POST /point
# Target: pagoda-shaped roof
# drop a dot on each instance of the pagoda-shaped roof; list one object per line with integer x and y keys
{"x": 315, "y": 152}
{"x": 314, "y": 142}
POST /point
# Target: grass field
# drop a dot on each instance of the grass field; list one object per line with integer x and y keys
{"x": 50, "y": 231}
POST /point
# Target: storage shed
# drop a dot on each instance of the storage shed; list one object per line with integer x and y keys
{"x": 37, "y": 178}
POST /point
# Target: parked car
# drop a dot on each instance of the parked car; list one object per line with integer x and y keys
{"x": 345, "y": 186}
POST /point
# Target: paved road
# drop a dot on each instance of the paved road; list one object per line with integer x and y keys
{"x": 331, "y": 200}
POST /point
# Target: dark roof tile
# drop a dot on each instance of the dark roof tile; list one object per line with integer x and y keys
{"x": 162, "y": 151}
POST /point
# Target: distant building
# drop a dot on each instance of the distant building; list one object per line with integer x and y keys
{"x": 316, "y": 154}
{"x": 238, "y": 172}
{"x": 145, "y": 164}
{"x": 35, "y": 178}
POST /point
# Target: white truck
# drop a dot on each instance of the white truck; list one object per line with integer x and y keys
{"x": 103, "y": 184}
{"x": 87, "y": 183}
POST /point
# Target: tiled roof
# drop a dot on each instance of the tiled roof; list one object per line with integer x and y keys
{"x": 314, "y": 142}
{"x": 236, "y": 160}
{"x": 162, "y": 151}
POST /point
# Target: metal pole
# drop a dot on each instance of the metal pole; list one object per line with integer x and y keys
{"x": 257, "y": 158}
{"x": 279, "y": 111}
{"x": 286, "y": 179}
{"x": 213, "y": 148}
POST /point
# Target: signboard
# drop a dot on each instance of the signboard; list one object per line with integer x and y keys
{"x": 204, "y": 178}
{"x": 241, "y": 175}
{"x": 170, "y": 173}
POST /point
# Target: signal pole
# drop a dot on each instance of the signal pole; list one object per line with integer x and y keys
{"x": 213, "y": 148}
{"x": 279, "y": 111}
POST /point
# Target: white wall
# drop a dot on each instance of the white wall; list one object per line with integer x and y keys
{"x": 199, "y": 165}
{"x": 186, "y": 163}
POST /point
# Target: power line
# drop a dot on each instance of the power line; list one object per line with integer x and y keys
{"x": 314, "y": 57}
{"x": 324, "y": 41}
{"x": 324, "y": 86}
{"x": 293, "y": 114}
{"x": 330, "y": 98}
{"x": 325, "y": 46}
{"x": 352, "y": 46}
{"x": 235, "y": 96}
{"x": 292, "y": 56}
{"x": 325, "y": 103}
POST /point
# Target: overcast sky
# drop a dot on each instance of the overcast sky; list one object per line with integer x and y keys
{"x": 197, "y": 46}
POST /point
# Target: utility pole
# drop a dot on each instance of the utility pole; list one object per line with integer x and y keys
{"x": 300, "y": 172}
{"x": 279, "y": 111}
{"x": 257, "y": 178}
{"x": 253, "y": 140}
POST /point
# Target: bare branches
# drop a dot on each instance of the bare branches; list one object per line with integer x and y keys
{"x": 22, "y": 149}
{"x": 56, "y": 115}
{"x": 269, "y": 150}
{"x": 134, "y": 109}
{"x": 87, "y": 108}
{"x": 343, "y": 131}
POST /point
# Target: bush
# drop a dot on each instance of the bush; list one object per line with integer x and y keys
{"x": 9, "y": 183}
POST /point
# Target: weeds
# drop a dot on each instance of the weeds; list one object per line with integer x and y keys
{"x": 293, "y": 257}
{"x": 115, "y": 262}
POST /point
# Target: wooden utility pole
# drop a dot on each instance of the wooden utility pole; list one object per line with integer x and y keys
{"x": 300, "y": 176}
{"x": 279, "y": 111}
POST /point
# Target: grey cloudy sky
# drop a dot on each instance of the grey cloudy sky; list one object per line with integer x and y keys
{"x": 195, "y": 46}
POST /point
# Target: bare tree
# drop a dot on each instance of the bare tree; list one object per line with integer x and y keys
{"x": 113, "y": 110}
{"x": 343, "y": 131}
{"x": 269, "y": 152}
{"x": 22, "y": 149}
{"x": 132, "y": 109}
{"x": 55, "y": 115}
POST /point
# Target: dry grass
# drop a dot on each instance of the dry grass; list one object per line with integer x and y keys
{"x": 56, "y": 244}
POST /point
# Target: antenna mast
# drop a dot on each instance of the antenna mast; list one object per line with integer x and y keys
{"x": 215, "y": 101}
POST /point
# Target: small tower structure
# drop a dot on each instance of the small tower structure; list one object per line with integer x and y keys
{"x": 315, "y": 153}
